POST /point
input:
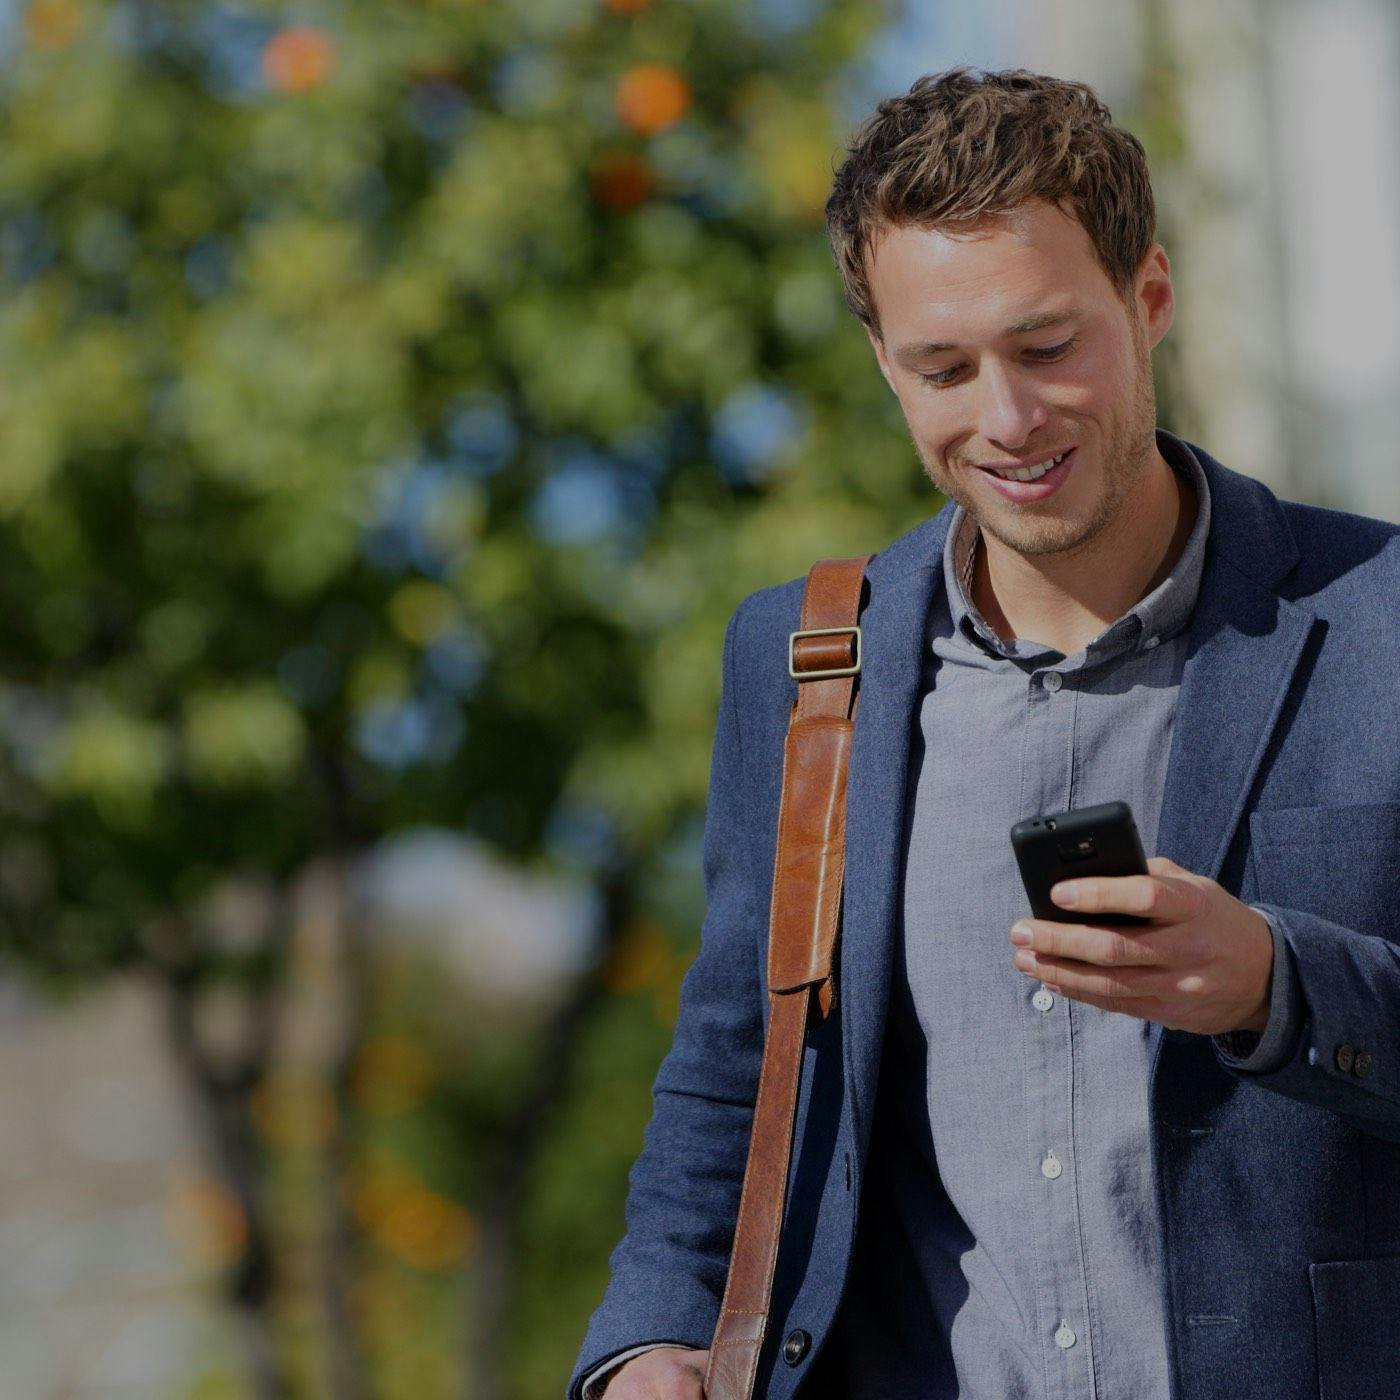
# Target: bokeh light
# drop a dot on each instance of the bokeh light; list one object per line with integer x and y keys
{"x": 298, "y": 59}
{"x": 52, "y": 25}
{"x": 652, "y": 97}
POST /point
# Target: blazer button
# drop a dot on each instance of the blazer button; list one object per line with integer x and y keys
{"x": 1344, "y": 1055}
{"x": 1361, "y": 1065}
{"x": 795, "y": 1348}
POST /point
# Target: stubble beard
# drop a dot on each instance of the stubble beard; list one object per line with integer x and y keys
{"x": 1127, "y": 448}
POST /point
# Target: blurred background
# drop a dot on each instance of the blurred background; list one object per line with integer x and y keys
{"x": 395, "y": 400}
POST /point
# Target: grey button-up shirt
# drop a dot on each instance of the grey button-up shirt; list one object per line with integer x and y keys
{"x": 1008, "y": 1237}
{"x": 1008, "y": 1244}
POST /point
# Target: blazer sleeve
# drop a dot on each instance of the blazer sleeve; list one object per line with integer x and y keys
{"x": 669, "y": 1269}
{"x": 1347, "y": 1055}
{"x": 1255, "y": 1052}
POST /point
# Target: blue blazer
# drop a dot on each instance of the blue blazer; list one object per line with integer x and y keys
{"x": 1279, "y": 1193}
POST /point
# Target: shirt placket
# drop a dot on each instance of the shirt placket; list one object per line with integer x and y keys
{"x": 1048, "y": 1031}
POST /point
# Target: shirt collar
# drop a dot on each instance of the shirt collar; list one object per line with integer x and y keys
{"x": 1152, "y": 619}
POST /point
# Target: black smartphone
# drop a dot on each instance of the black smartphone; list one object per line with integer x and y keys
{"x": 1101, "y": 840}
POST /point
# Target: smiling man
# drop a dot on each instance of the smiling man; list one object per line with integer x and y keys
{"x": 1034, "y": 1158}
{"x": 1041, "y": 396}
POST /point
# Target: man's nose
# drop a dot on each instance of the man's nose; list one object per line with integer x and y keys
{"x": 1008, "y": 410}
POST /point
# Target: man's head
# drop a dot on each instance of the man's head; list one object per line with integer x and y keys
{"x": 969, "y": 209}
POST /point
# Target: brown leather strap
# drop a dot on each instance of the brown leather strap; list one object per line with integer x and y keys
{"x": 806, "y": 906}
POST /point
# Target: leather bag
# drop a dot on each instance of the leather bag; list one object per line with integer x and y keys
{"x": 824, "y": 659}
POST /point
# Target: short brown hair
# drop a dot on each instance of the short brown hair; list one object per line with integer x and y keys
{"x": 956, "y": 149}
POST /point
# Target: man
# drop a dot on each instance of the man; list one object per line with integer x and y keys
{"x": 1089, "y": 1161}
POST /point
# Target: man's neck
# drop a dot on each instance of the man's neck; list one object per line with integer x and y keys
{"x": 1065, "y": 602}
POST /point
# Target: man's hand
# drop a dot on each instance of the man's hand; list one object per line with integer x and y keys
{"x": 664, "y": 1373}
{"x": 1204, "y": 963}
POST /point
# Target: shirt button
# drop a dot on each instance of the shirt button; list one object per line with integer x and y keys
{"x": 1042, "y": 1000}
{"x": 1052, "y": 681}
{"x": 1361, "y": 1065}
{"x": 1344, "y": 1054}
{"x": 1051, "y": 1167}
{"x": 1064, "y": 1336}
{"x": 1150, "y": 642}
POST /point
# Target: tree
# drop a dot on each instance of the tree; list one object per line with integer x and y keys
{"x": 396, "y": 400}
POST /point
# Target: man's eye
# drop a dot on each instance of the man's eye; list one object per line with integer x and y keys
{"x": 1053, "y": 352}
{"x": 1044, "y": 355}
{"x": 943, "y": 376}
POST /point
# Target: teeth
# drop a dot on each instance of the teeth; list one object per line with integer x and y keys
{"x": 1031, "y": 473}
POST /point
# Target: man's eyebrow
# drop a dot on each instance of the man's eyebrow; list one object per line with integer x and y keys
{"x": 916, "y": 350}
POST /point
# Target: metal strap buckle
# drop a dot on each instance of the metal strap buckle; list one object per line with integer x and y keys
{"x": 850, "y": 670}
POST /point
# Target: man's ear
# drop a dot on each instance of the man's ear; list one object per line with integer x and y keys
{"x": 1156, "y": 305}
{"x": 878, "y": 346}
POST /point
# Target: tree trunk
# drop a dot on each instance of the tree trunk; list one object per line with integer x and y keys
{"x": 221, "y": 1098}
{"x": 349, "y": 1371}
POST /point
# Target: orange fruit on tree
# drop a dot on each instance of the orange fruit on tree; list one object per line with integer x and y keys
{"x": 297, "y": 59}
{"x": 651, "y": 97}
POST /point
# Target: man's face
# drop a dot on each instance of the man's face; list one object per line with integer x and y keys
{"x": 998, "y": 395}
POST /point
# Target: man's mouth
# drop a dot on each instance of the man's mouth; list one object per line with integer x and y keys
{"x": 1032, "y": 473}
{"x": 1032, "y": 483}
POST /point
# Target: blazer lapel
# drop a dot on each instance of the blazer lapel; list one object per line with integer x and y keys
{"x": 902, "y": 581}
{"x": 1244, "y": 644}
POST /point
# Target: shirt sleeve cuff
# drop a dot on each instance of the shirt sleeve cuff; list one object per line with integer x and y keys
{"x": 1257, "y": 1052}
{"x": 596, "y": 1382}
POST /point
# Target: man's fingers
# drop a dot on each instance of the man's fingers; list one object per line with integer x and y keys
{"x": 1167, "y": 893}
{"x": 1083, "y": 980}
{"x": 664, "y": 1373}
{"x": 1104, "y": 947}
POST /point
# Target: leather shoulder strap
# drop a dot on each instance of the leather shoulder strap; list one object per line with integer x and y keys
{"x": 824, "y": 657}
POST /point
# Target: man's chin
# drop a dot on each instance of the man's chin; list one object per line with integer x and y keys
{"x": 1026, "y": 535}
{"x": 1040, "y": 538}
